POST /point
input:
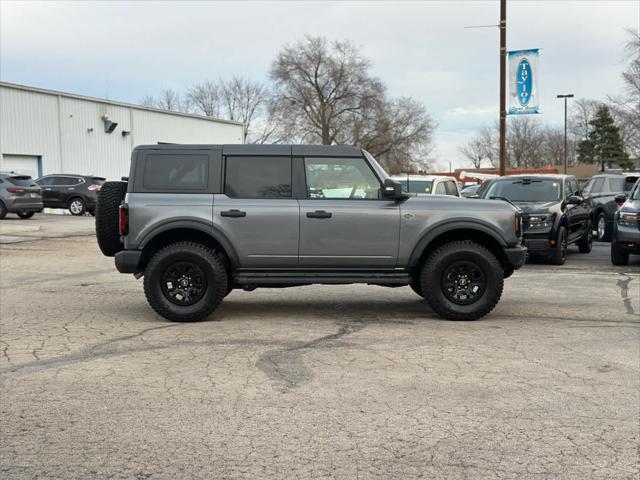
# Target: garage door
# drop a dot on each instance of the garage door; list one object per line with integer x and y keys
{"x": 24, "y": 164}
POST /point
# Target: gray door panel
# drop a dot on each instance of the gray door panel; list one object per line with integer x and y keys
{"x": 263, "y": 231}
{"x": 359, "y": 233}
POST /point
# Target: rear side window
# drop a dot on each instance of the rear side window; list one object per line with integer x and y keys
{"x": 451, "y": 188}
{"x": 629, "y": 183}
{"x": 21, "y": 181}
{"x": 176, "y": 172}
{"x": 614, "y": 184}
{"x": 258, "y": 177}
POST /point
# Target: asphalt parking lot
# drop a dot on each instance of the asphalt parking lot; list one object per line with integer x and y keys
{"x": 311, "y": 382}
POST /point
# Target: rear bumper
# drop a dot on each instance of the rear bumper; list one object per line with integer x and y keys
{"x": 516, "y": 256}
{"x": 128, "y": 261}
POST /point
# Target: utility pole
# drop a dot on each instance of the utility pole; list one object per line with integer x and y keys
{"x": 564, "y": 163}
{"x": 503, "y": 80}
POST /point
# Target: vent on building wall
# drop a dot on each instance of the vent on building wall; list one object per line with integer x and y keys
{"x": 109, "y": 125}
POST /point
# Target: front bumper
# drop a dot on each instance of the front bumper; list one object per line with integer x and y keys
{"x": 128, "y": 261}
{"x": 516, "y": 256}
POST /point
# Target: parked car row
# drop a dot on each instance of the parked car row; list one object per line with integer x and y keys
{"x": 22, "y": 195}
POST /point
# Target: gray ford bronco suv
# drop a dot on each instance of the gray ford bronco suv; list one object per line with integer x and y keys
{"x": 198, "y": 221}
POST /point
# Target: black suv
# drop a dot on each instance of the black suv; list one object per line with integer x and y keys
{"x": 603, "y": 189}
{"x": 555, "y": 213}
{"x": 78, "y": 193}
{"x": 626, "y": 228}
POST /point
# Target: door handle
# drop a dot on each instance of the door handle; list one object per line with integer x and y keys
{"x": 319, "y": 214}
{"x": 233, "y": 213}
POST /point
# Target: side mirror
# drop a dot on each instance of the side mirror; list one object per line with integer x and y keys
{"x": 574, "y": 200}
{"x": 393, "y": 189}
{"x": 620, "y": 199}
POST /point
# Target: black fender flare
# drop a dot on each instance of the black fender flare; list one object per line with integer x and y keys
{"x": 193, "y": 224}
{"x": 449, "y": 225}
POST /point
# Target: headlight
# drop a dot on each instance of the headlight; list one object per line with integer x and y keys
{"x": 539, "y": 221}
{"x": 629, "y": 219}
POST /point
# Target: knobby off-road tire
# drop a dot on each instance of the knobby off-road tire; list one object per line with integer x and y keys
{"x": 462, "y": 256}
{"x": 585, "y": 244}
{"x": 203, "y": 274}
{"x": 109, "y": 200}
{"x": 415, "y": 286}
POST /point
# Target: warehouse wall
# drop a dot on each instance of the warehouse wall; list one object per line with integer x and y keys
{"x": 68, "y": 132}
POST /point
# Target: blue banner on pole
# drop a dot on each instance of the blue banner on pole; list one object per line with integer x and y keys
{"x": 523, "y": 82}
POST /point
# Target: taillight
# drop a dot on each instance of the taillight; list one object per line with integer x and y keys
{"x": 123, "y": 219}
{"x": 620, "y": 203}
{"x": 94, "y": 186}
{"x": 518, "y": 224}
{"x": 15, "y": 190}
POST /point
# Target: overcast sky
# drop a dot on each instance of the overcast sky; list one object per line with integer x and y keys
{"x": 125, "y": 50}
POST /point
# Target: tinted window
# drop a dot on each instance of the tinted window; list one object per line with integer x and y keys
{"x": 346, "y": 178}
{"x": 416, "y": 186}
{"x": 629, "y": 183}
{"x": 527, "y": 190}
{"x": 572, "y": 187}
{"x": 451, "y": 189}
{"x": 21, "y": 181}
{"x": 176, "y": 172}
{"x": 440, "y": 189}
{"x": 258, "y": 177}
{"x": 45, "y": 181}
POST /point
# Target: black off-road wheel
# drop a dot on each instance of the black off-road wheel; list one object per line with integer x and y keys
{"x": 25, "y": 215}
{"x": 618, "y": 257}
{"x": 585, "y": 244}
{"x": 462, "y": 280}
{"x": 185, "y": 282}
{"x": 559, "y": 255}
{"x": 109, "y": 200}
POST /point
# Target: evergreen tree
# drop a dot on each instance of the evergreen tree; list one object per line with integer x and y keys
{"x": 603, "y": 143}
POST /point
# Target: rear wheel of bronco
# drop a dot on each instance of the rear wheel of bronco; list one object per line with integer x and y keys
{"x": 462, "y": 280}
{"x": 109, "y": 200}
{"x": 185, "y": 282}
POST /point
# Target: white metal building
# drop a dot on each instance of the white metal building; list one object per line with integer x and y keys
{"x": 44, "y": 131}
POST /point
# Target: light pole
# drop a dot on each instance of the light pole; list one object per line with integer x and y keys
{"x": 564, "y": 165}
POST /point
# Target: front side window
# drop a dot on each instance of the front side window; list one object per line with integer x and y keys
{"x": 176, "y": 172}
{"x": 258, "y": 177}
{"x": 416, "y": 186}
{"x": 440, "y": 189}
{"x": 572, "y": 187}
{"x": 340, "y": 178}
{"x": 527, "y": 190}
{"x": 614, "y": 185}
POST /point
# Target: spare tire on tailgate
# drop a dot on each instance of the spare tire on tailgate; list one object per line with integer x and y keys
{"x": 107, "y": 232}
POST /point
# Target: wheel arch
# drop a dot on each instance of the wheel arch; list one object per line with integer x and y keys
{"x": 476, "y": 232}
{"x": 188, "y": 231}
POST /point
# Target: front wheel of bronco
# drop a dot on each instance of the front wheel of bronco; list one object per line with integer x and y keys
{"x": 185, "y": 282}
{"x": 462, "y": 280}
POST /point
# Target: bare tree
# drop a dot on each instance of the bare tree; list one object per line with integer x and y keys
{"x": 168, "y": 99}
{"x": 324, "y": 93}
{"x": 245, "y": 101}
{"x": 625, "y": 108}
{"x": 322, "y": 84}
{"x": 205, "y": 97}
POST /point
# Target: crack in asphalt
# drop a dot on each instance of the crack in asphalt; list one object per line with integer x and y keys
{"x": 286, "y": 368}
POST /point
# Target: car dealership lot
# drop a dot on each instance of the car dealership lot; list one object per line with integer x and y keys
{"x": 333, "y": 381}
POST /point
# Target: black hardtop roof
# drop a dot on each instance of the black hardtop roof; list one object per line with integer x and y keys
{"x": 295, "y": 150}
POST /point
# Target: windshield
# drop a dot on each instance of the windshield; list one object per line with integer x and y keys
{"x": 527, "y": 190}
{"x": 417, "y": 186}
{"x": 636, "y": 193}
